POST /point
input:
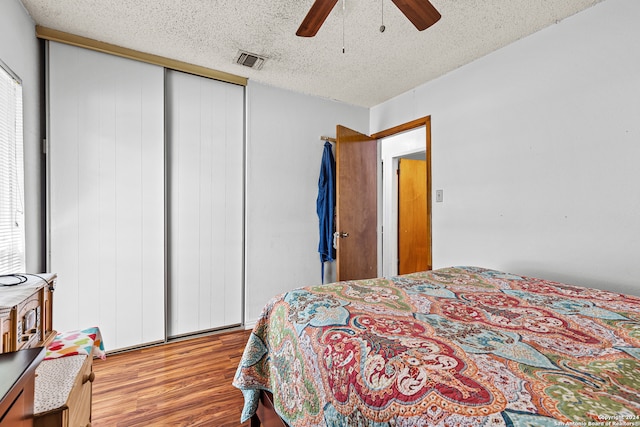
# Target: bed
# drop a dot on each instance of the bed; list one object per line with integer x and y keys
{"x": 458, "y": 346}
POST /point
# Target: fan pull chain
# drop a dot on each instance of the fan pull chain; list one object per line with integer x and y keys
{"x": 382, "y": 27}
{"x": 343, "y": 14}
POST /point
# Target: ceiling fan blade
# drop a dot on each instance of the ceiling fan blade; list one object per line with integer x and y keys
{"x": 315, "y": 18}
{"x": 421, "y": 13}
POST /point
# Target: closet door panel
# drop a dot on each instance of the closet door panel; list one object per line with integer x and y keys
{"x": 152, "y": 196}
{"x": 233, "y": 227}
{"x": 106, "y": 194}
{"x": 205, "y": 121}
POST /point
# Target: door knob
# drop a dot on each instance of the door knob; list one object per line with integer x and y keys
{"x": 336, "y": 235}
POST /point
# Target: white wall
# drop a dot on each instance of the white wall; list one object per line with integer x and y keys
{"x": 19, "y": 49}
{"x": 283, "y": 163}
{"x": 536, "y": 147}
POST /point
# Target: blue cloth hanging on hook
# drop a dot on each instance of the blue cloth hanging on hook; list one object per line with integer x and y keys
{"x": 325, "y": 205}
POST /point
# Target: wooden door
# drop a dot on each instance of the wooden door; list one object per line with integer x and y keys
{"x": 356, "y": 205}
{"x": 413, "y": 248}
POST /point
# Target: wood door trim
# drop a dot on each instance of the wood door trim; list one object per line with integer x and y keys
{"x": 426, "y": 122}
{"x": 423, "y": 121}
{"x": 50, "y": 34}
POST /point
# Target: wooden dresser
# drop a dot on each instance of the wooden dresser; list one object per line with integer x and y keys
{"x": 57, "y": 391}
{"x": 26, "y": 311}
{"x": 17, "y": 380}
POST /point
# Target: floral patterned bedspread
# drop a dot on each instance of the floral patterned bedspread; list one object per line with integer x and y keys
{"x": 460, "y": 346}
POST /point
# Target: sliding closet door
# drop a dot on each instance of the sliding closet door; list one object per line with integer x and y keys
{"x": 106, "y": 195}
{"x": 205, "y": 137}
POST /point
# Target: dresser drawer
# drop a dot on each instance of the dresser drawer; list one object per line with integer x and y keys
{"x": 80, "y": 398}
{"x": 63, "y": 392}
{"x": 28, "y": 328}
{"x": 26, "y": 311}
{"x": 5, "y": 329}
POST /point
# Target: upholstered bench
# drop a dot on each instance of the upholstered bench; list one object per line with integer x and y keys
{"x": 63, "y": 392}
{"x": 63, "y": 383}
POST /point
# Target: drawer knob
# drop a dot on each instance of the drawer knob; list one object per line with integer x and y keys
{"x": 89, "y": 377}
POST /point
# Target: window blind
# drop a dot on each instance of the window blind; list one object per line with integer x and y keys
{"x": 12, "y": 236}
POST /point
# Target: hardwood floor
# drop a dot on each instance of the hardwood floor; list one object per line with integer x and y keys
{"x": 186, "y": 383}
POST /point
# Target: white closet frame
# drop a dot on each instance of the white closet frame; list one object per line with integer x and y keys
{"x": 106, "y": 194}
{"x": 109, "y": 221}
{"x": 205, "y": 156}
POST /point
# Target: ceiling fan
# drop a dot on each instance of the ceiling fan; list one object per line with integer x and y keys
{"x": 421, "y": 13}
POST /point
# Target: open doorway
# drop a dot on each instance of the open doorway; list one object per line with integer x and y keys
{"x": 405, "y": 240}
{"x": 379, "y": 253}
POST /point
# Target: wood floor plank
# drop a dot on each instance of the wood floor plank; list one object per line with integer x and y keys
{"x": 186, "y": 383}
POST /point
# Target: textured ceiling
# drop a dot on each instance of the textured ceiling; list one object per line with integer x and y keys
{"x": 374, "y": 67}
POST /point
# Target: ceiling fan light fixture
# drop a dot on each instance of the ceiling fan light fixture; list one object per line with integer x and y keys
{"x": 250, "y": 60}
{"x": 421, "y": 13}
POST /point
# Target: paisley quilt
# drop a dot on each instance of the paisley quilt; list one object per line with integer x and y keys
{"x": 459, "y": 346}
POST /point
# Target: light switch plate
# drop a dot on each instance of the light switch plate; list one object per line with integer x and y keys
{"x": 439, "y": 194}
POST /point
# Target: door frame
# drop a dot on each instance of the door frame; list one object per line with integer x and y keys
{"x": 414, "y": 124}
